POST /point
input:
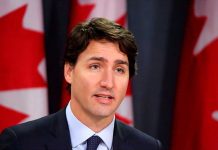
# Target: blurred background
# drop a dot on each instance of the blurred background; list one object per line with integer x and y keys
{"x": 173, "y": 97}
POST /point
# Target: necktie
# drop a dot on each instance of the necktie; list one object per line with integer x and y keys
{"x": 93, "y": 142}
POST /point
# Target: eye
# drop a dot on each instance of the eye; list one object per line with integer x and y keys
{"x": 120, "y": 70}
{"x": 94, "y": 66}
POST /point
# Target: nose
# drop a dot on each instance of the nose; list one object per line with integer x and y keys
{"x": 107, "y": 80}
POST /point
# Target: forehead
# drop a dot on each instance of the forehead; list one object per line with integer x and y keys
{"x": 104, "y": 49}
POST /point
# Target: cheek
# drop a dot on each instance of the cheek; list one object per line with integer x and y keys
{"x": 83, "y": 83}
{"x": 122, "y": 85}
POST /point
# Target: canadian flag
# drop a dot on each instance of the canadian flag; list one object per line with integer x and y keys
{"x": 23, "y": 87}
{"x": 114, "y": 10}
{"x": 196, "y": 112}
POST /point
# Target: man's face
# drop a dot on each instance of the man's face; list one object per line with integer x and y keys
{"x": 98, "y": 81}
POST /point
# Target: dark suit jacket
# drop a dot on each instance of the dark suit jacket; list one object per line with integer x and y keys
{"x": 52, "y": 133}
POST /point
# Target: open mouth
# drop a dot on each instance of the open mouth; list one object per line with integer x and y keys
{"x": 104, "y": 96}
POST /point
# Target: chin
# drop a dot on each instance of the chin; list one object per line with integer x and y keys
{"x": 105, "y": 114}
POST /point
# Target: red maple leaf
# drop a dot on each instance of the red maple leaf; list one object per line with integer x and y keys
{"x": 123, "y": 119}
{"x": 129, "y": 89}
{"x": 21, "y": 51}
{"x": 197, "y": 94}
{"x": 10, "y": 117}
{"x": 79, "y": 13}
{"x": 122, "y": 20}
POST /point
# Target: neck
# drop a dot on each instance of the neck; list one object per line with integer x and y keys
{"x": 95, "y": 123}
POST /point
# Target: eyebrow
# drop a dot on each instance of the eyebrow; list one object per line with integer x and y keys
{"x": 97, "y": 58}
{"x": 122, "y": 62}
{"x": 105, "y": 60}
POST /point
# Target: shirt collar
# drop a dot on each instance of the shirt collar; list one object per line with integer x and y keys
{"x": 78, "y": 128}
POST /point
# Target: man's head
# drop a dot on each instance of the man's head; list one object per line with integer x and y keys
{"x": 99, "y": 29}
{"x": 99, "y": 60}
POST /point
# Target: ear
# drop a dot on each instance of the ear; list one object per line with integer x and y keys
{"x": 68, "y": 72}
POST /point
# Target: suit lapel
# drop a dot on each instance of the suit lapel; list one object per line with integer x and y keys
{"x": 118, "y": 137}
{"x": 60, "y": 132}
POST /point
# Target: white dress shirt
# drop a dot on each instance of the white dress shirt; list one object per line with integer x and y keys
{"x": 79, "y": 133}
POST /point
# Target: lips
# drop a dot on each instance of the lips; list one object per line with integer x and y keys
{"x": 104, "y": 96}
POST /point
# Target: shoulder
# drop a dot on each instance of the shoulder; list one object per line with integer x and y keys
{"x": 138, "y": 138}
{"x": 27, "y": 133}
{"x": 31, "y": 127}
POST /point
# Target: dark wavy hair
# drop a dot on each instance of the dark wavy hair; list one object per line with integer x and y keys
{"x": 100, "y": 29}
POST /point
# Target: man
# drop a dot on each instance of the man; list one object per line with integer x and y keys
{"x": 99, "y": 61}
